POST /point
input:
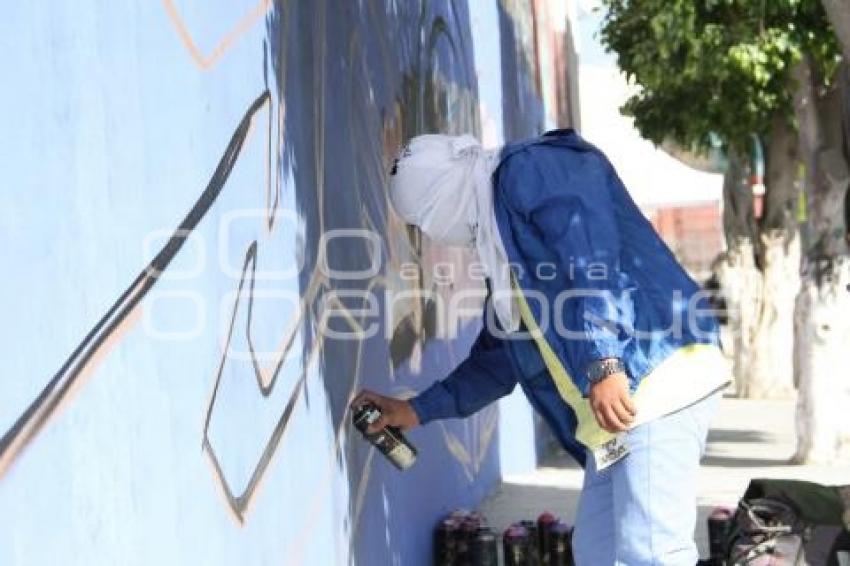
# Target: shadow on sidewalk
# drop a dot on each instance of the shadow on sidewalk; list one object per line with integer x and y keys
{"x": 732, "y": 462}
{"x": 738, "y": 435}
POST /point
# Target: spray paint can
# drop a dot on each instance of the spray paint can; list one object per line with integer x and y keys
{"x": 561, "y": 548}
{"x": 462, "y": 539}
{"x": 484, "y": 549}
{"x": 445, "y": 542}
{"x": 466, "y": 538}
{"x": 389, "y": 440}
{"x": 544, "y": 521}
{"x": 515, "y": 543}
{"x": 718, "y": 527}
{"x": 534, "y": 542}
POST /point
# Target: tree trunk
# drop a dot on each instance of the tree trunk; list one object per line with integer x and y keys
{"x": 823, "y": 305}
{"x": 738, "y": 219}
{"x": 822, "y": 336}
{"x": 760, "y": 302}
{"x": 741, "y": 286}
{"x": 838, "y": 12}
{"x": 771, "y": 373}
{"x": 736, "y": 271}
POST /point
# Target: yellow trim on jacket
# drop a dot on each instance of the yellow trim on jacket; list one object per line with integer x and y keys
{"x": 662, "y": 392}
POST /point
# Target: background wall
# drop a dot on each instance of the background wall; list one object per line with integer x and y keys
{"x": 180, "y": 397}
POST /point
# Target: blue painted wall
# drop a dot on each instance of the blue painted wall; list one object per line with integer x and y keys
{"x": 178, "y": 397}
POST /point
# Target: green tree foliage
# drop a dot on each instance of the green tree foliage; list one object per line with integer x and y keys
{"x": 714, "y": 66}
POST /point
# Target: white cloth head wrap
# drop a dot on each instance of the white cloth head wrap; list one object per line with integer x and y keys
{"x": 443, "y": 185}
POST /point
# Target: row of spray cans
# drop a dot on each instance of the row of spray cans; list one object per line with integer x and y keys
{"x": 464, "y": 539}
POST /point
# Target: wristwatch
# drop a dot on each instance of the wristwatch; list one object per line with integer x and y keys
{"x": 600, "y": 369}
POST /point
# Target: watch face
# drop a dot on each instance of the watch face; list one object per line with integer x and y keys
{"x": 601, "y": 369}
{"x": 596, "y": 372}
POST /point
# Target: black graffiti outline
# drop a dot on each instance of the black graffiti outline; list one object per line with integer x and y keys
{"x": 239, "y": 503}
{"x": 28, "y": 425}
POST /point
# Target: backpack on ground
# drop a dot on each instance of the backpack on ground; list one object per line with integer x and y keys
{"x": 787, "y": 523}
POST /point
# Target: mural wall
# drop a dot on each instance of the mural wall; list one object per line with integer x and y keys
{"x": 201, "y": 269}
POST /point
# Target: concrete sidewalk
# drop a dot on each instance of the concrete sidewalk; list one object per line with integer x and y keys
{"x": 748, "y": 439}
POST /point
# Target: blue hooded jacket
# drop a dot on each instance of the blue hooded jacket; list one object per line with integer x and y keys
{"x": 597, "y": 278}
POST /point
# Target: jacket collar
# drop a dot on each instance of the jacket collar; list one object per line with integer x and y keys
{"x": 561, "y": 136}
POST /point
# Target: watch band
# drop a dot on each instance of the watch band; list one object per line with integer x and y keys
{"x": 600, "y": 369}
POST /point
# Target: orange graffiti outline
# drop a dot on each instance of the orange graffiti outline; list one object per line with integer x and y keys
{"x": 207, "y": 62}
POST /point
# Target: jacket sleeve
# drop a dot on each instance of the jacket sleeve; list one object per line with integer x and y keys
{"x": 484, "y": 376}
{"x": 566, "y": 197}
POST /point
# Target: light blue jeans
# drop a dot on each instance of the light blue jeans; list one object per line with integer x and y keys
{"x": 641, "y": 511}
